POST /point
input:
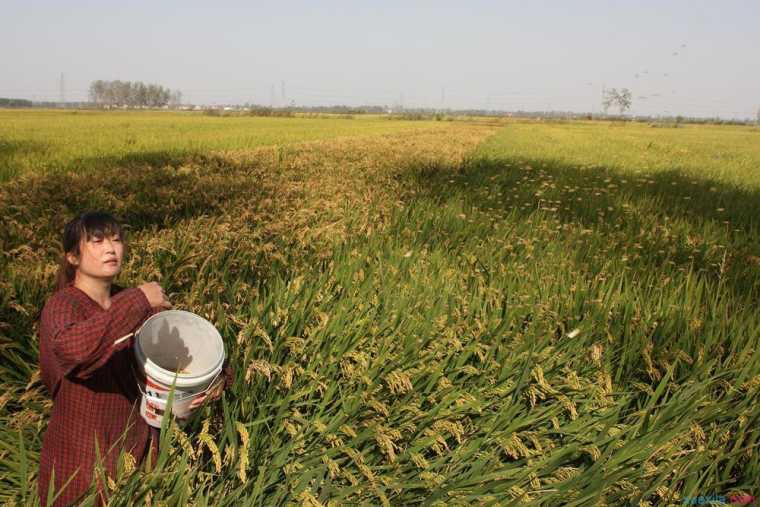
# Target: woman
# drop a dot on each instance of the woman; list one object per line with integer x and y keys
{"x": 95, "y": 397}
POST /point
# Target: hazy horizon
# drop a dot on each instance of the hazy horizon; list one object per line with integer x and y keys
{"x": 687, "y": 58}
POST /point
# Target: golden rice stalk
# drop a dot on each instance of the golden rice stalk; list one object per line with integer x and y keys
{"x": 347, "y": 430}
{"x": 593, "y": 451}
{"x": 465, "y": 399}
{"x": 751, "y": 385}
{"x": 516, "y": 492}
{"x": 378, "y": 406}
{"x": 533, "y": 394}
{"x": 605, "y": 381}
{"x": 568, "y": 404}
{"x": 399, "y": 382}
{"x": 286, "y": 374}
{"x": 183, "y": 440}
{"x": 650, "y": 469}
{"x": 129, "y": 463}
{"x": 261, "y": 333}
{"x": 308, "y": 500}
{"x": 295, "y": 344}
{"x": 643, "y": 387}
{"x": 440, "y": 446}
{"x": 385, "y": 440}
{"x": 244, "y": 450}
{"x": 419, "y": 460}
{"x": 351, "y": 478}
{"x": 454, "y": 428}
{"x": 662, "y": 491}
{"x": 566, "y": 473}
{"x": 514, "y": 447}
{"x": 332, "y": 466}
{"x": 653, "y": 372}
{"x": 530, "y": 435}
{"x": 573, "y": 380}
{"x": 698, "y": 433}
{"x": 205, "y": 439}
{"x": 291, "y": 428}
{"x": 292, "y": 468}
{"x": 5, "y": 398}
{"x": 434, "y": 480}
{"x": 682, "y": 355}
{"x": 334, "y": 440}
{"x": 596, "y": 353}
{"x": 259, "y": 366}
{"x": 535, "y": 482}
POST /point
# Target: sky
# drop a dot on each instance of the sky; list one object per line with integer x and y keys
{"x": 693, "y": 58}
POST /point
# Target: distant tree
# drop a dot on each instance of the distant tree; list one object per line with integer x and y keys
{"x": 131, "y": 94}
{"x": 175, "y": 99}
{"x": 5, "y": 102}
{"x": 140, "y": 92}
{"x": 97, "y": 91}
{"x": 621, "y": 99}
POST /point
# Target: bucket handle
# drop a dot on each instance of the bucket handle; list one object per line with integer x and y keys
{"x": 125, "y": 337}
{"x": 129, "y": 335}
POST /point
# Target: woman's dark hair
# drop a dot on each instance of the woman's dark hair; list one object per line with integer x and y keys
{"x": 91, "y": 224}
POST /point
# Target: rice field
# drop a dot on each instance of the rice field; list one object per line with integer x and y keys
{"x": 440, "y": 313}
{"x": 44, "y": 141}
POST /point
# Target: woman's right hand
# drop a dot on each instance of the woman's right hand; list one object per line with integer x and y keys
{"x": 155, "y": 295}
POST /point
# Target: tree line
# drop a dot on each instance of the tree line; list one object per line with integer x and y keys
{"x": 5, "y": 102}
{"x": 132, "y": 94}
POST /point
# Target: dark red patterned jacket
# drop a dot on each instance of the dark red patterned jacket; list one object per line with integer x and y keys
{"x": 95, "y": 397}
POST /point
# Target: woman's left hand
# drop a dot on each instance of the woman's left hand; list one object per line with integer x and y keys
{"x": 214, "y": 392}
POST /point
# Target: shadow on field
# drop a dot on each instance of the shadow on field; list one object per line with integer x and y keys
{"x": 36, "y": 207}
{"x": 12, "y": 149}
{"x": 602, "y": 200}
{"x": 137, "y": 158}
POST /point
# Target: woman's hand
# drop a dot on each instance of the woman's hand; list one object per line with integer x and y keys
{"x": 155, "y": 295}
{"x": 215, "y": 391}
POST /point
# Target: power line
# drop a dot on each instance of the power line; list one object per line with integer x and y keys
{"x": 62, "y": 90}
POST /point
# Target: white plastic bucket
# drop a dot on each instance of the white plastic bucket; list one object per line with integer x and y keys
{"x": 180, "y": 348}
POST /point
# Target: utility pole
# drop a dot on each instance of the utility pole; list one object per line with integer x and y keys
{"x": 282, "y": 91}
{"x": 271, "y": 96}
{"x": 62, "y": 91}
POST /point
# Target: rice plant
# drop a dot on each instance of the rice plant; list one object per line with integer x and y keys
{"x": 456, "y": 315}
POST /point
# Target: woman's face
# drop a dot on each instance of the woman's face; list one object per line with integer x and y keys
{"x": 100, "y": 256}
